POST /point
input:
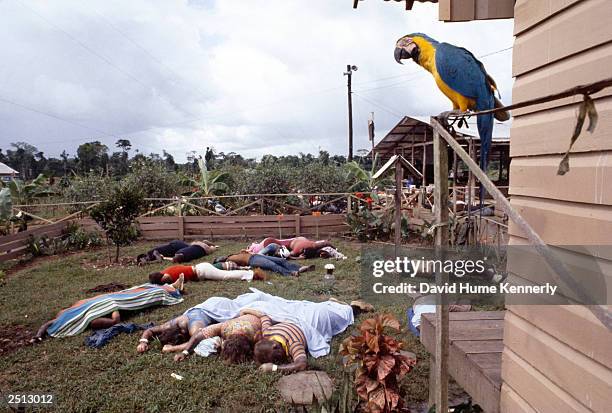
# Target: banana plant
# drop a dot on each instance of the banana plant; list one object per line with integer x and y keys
{"x": 6, "y": 204}
{"x": 23, "y": 193}
{"x": 363, "y": 179}
{"x": 208, "y": 183}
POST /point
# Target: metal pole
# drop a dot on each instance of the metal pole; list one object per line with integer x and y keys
{"x": 349, "y": 73}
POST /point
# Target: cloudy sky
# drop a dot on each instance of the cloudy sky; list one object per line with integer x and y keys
{"x": 243, "y": 76}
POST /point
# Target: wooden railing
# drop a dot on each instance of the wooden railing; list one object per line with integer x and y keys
{"x": 244, "y": 227}
{"x": 15, "y": 245}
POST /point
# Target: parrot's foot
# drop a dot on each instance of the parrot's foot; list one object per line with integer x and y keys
{"x": 446, "y": 115}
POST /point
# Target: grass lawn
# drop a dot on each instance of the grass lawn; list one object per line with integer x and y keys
{"x": 116, "y": 378}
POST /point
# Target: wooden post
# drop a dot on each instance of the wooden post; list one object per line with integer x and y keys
{"x": 455, "y": 171}
{"x": 441, "y": 242}
{"x": 298, "y": 225}
{"x": 261, "y": 206}
{"x": 469, "y": 193}
{"x": 412, "y": 149}
{"x": 181, "y": 221}
{"x": 424, "y": 168}
{"x": 399, "y": 174}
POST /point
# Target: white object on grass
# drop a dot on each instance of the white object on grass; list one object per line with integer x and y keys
{"x": 208, "y": 346}
{"x": 176, "y": 376}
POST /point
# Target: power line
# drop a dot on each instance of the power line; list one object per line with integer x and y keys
{"x": 379, "y": 105}
{"x": 149, "y": 54}
{"x": 90, "y": 50}
{"x": 51, "y": 115}
{"x": 418, "y": 73}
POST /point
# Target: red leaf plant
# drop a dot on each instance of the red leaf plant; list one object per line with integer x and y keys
{"x": 378, "y": 364}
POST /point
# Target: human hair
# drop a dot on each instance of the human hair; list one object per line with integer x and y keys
{"x": 156, "y": 278}
{"x": 237, "y": 349}
{"x": 173, "y": 335}
{"x": 269, "y": 351}
{"x": 142, "y": 258}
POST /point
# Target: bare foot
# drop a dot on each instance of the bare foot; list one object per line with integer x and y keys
{"x": 180, "y": 283}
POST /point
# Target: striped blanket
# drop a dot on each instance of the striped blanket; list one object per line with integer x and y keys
{"x": 76, "y": 318}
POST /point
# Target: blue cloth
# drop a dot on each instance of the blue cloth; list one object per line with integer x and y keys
{"x": 197, "y": 314}
{"x": 274, "y": 264}
{"x": 271, "y": 249}
{"x": 75, "y": 319}
{"x": 100, "y": 338}
{"x": 413, "y": 329}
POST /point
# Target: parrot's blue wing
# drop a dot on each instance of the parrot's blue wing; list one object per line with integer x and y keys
{"x": 465, "y": 74}
{"x": 461, "y": 71}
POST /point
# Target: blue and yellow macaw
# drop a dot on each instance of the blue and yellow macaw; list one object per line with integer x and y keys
{"x": 460, "y": 76}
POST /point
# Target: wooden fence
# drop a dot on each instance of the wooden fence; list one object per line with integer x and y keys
{"x": 12, "y": 246}
{"x": 246, "y": 227}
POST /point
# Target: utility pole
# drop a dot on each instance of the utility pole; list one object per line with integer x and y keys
{"x": 371, "y": 133}
{"x": 349, "y": 72}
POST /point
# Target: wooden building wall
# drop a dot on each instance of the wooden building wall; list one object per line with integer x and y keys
{"x": 559, "y": 358}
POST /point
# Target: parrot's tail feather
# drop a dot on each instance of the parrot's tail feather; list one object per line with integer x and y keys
{"x": 503, "y": 115}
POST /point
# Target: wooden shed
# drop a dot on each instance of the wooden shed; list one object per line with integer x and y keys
{"x": 413, "y": 139}
{"x": 559, "y": 358}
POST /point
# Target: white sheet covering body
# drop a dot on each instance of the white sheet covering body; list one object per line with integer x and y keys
{"x": 319, "y": 321}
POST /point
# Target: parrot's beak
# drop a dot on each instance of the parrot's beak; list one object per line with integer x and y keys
{"x": 400, "y": 54}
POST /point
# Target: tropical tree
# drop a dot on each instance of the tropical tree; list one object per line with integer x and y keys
{"x": 363, "y": 180}
{"x": 24, "y": 193}
{"x": 208, "y": 183}
{"x": 117, "y": 215}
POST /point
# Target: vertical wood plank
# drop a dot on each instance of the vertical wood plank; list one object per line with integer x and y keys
{"x": 441, "y": 242}
{"x": 181, "y": 221}
{"x": 399, "y": 174}
{"x": 298, "y": 225}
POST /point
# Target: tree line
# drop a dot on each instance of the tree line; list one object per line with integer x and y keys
{"x": 96, "y": 157}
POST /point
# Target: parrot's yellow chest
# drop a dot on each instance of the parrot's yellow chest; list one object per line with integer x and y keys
{"x": 427, "y": 60}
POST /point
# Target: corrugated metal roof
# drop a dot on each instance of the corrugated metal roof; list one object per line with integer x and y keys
{"x": 7, "y": 170}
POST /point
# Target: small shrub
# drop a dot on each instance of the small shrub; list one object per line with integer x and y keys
{"x": 378, "y": 362}
{"x": 77, "y": 238}
{"x": 117, "y": 215}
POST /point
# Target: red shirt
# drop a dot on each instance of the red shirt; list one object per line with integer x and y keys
{"x": 176, "y": 270}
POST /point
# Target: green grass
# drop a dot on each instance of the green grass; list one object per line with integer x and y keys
{"x": 116, "y": 378}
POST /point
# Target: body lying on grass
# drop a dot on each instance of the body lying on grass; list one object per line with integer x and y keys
{"x": 299, "y": 247}
{"x": 178, "y": 252}
{"x": 296, "y": 326}
{"x": 103, "y": 311}
{"x": 203, "y": 271}
{"x": 275, "y": 264}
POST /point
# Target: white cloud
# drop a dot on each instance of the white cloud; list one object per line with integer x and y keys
{"x": 250, "y": 78}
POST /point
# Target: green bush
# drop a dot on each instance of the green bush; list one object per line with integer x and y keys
{"x": 117, "y": 215}
{"x": 90, "y": 187}
{"x": 153, "y": 179}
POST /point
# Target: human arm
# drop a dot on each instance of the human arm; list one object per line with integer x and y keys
{"x": 298, "y": 365}
{"x": 187, "y": 348}
{"x": 143, "y": 343}
{"x": 41, "y": 331}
